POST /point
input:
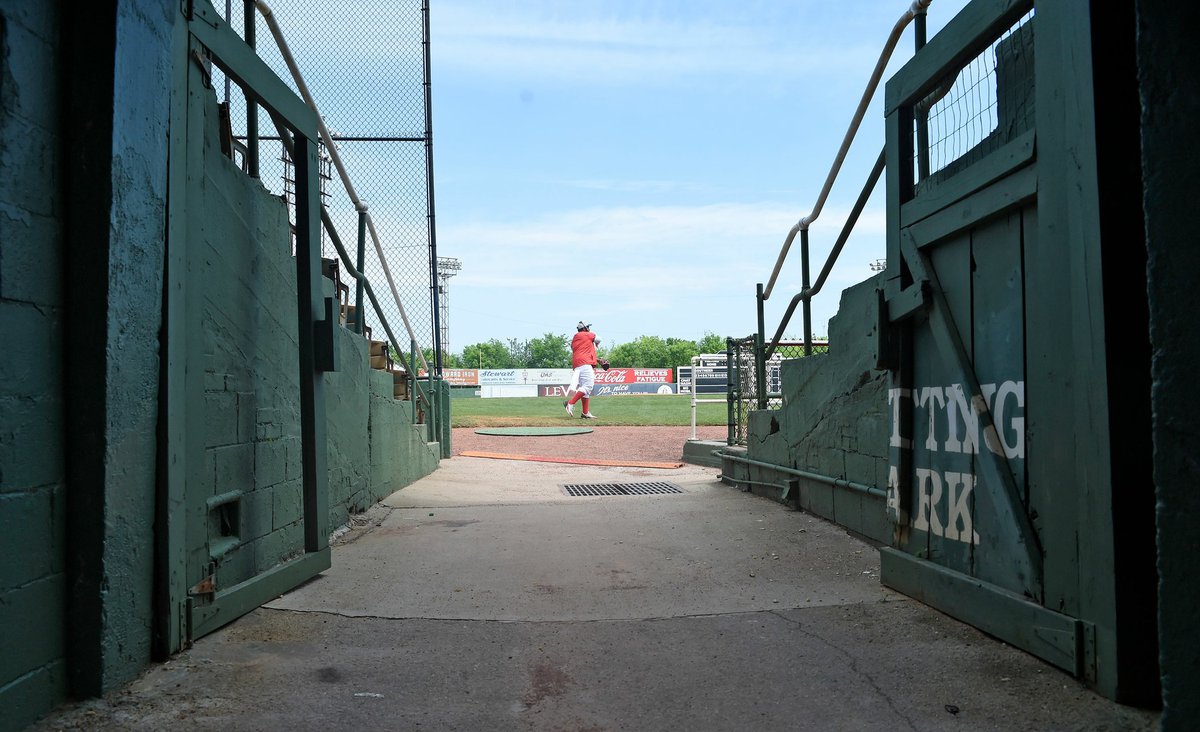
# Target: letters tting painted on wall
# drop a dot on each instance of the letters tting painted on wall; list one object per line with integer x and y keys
{"x": 949, "y": 434}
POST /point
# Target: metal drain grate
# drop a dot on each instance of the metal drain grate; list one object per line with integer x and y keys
{"x": 620, "y": 489}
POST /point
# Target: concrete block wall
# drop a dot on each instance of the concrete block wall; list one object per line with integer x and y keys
{"x": 400, "y": 450}
{"x": 245, "y": 275}
{"x": 347, "y": 431}
{"x": 834, "y": 422}
{"x": 374, "y": 447}
{"x": 32, "y": 409}
{"x": 252, "y": 410}
{"x": 83, "y": 171}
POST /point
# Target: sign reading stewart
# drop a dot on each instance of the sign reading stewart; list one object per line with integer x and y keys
{"x": 633, "y": 376}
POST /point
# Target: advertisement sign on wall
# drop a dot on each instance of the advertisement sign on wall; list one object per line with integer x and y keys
{"x": 461, "y": 377}
{"x": 494, "y": 391}
{"x": 624, "y": 389}
{"x": 560, "y": 390}
{"x": 500, "y": 376}
{"x": 547, "y": 376}
{"x": 634, "y": 376}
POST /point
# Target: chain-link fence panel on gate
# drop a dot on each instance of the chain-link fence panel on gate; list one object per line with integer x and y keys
{"x": 364, "y": 65}
{"x": 744, "y": 379}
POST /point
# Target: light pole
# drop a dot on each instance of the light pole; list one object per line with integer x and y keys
{"x": 447, "y": 267}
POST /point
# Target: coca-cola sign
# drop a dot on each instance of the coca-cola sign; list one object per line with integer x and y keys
{"x": 633, "y": 376}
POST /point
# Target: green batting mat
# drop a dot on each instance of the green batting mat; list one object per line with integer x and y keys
{"x": 533, "y": 431}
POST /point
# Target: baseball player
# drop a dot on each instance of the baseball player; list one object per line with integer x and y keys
{"x": 583, "y": 375}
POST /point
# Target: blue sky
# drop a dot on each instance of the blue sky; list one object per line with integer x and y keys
{"x": 639, "y": 164}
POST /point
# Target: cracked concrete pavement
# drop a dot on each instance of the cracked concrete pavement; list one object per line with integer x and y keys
{"x": 484, "y": 598}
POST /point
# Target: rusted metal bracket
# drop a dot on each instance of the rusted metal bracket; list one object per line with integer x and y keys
{"x": 205, "y": 587}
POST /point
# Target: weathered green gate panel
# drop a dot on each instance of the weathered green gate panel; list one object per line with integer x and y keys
{"x": 248, "y": 472}
{"x": 998, "y": 358}
{"x": 1002, "y": 461}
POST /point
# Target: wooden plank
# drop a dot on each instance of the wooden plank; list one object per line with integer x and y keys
{"x": 993, "y": 470}
{"x": 229, "y": 605}
{"x": 1003, "y": 161}
{"x": 310, "y": 309}
{"x": 172, "y": 520}
{"x": 1067, "y": 387}
{"x": 1006, "y": 615}
{"x": 231, "y": 54}
{"x": 1003, "y": 196}
{"x": 197, "y": 486}
{"x": 998, "y": 346}
{"x": 951, "y": 260}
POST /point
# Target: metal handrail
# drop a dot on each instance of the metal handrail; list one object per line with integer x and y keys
{"x": 918, "y": 8}
{"x": 265, "y": 11}
{"x": 809, "y": 291}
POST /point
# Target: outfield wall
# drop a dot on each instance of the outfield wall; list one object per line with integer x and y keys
{"x": 498, "y": 383}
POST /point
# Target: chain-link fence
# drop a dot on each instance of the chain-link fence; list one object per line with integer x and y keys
{"x": 365, "y": 66}
{"x": 988, "y": 102}
{"x": 744, "y": 378}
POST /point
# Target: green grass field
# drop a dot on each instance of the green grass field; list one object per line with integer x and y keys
{"x": 623, "y": 411}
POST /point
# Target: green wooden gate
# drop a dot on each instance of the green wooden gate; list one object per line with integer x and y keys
{"x": 232, "y": 538}
{"x": 1000, "y": 486}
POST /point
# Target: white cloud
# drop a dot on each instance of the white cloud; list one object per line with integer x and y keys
{"x": 627, "y": 252}
{"x": 586, "y": 46}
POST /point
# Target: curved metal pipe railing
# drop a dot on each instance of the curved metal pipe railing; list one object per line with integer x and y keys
{"x": 809, "y": 291}
{"x": 918, "y": 7}
{"x": 269, "y": 17}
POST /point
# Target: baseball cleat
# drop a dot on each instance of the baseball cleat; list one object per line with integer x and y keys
{"x": 587, "y": 415}
{"x": 570, "y": 410}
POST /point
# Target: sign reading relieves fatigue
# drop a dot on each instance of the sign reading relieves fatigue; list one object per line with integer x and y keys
{"x": 633, "y": 376}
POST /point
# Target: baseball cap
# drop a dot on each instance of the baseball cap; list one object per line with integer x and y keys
{"x": 582, "y": 325}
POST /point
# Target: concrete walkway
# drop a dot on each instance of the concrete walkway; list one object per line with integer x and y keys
{"x": 484, "y": 598}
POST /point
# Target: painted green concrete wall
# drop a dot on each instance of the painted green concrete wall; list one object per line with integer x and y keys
{"x": 252, "y": 413}
{"x": 834, "y": 421}
{"x": 374, "y": 447}
{"x": 80, "y": 295}
{"x": 32, "y": 411}
{"x": 112, "y": 576}
{"x": 242, "y": 269}
{"x": 83, "y": 179}
{"x": 1170, "y": 97}
{"x": 399, "y": 451}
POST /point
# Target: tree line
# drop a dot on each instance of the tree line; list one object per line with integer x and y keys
{"x": 553, "y": 351}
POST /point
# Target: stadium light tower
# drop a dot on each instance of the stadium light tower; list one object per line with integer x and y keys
{"x": 447, "y": 267}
